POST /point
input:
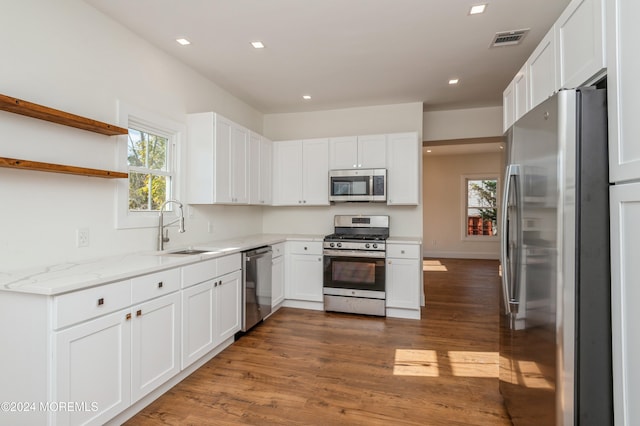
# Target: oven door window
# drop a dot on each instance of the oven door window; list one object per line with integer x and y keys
{"x": 354, "y": 273}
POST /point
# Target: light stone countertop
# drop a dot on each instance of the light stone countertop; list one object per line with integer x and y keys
{"x": 71, "y": 276}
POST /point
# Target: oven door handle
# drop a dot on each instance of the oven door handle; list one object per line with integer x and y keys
{"x": 354, "y": 253}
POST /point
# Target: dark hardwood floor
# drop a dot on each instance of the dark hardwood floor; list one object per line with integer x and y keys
{"x": 316, "y": 368}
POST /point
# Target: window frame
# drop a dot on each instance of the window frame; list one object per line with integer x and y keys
{"x": 464, "y": 179}
{"x": 146, "y": 121}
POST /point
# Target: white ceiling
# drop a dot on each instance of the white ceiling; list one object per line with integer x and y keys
{"x": 344, "y": 53}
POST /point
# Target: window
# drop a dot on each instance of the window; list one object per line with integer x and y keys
{"x": 481, "y": 207}
{"x": 150, "y": 153}
{"x": 150, "y": 171}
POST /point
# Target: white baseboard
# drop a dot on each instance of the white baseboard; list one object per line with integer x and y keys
{"x": 460, "y": 254}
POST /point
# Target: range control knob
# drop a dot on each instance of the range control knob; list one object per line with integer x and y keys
{"x": 339, "y": 244}
{"x": 332, "y": 245}
{"x": 375, "y": 245}
{"x": 367, "y": 245}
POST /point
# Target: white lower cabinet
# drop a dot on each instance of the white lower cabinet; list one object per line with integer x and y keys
{"x": 155, "y": 344}
{"x": 403, "y": 280}
{"x": 93, "y": 366}
{"x": 303, "y": 277}
{"x": 277, "y": 281}
{"x": 211, "y": 310}
{"x": 625, "y": 296}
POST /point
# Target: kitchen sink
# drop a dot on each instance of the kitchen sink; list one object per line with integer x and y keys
{"x": 189, "y": 251}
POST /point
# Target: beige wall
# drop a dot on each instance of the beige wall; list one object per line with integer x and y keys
{"x": 405, "y": 220}
{"x": 462, "y": 123}
{"x": 443, "y": 205}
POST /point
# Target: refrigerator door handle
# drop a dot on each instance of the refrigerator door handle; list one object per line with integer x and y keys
{"x": 509, "y": 254}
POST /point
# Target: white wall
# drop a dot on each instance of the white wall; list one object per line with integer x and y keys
{"x": 405, "y": 220}
{"x": 462, "y": 123}
{"x": 443, "y": 205}
{"x": 67, "y": 55}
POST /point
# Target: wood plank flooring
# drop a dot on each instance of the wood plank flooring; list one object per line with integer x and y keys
{"x": 314, "y": 368}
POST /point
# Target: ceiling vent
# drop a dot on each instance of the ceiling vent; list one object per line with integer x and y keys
{"x": 509, "y": 38}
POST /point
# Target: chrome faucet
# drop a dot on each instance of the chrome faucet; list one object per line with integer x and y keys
{"x": 165, "y": 238}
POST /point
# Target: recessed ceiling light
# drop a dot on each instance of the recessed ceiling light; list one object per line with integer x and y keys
{"x": 428, "y": 150}
{"x": 453, "y": 81}
{"x": 183, "y": 41}
{"x": 306, "y": 97}
{"x": 478, "y": 8}
{"x": 257, "y": 44}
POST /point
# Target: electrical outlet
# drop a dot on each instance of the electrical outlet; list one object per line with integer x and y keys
{"x": 434, "y": 243}
{"x": 209, "y": 227}
{"x": 82, "y": 237}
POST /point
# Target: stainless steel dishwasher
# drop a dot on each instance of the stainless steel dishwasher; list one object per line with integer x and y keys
{"x": 256, "y": 286}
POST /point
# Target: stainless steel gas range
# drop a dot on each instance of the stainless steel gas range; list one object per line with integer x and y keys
{"x": 354, "y": 265}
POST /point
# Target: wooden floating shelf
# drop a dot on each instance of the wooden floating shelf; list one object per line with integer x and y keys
{"x": 58, "y": 168}
{"x": 18, "y": 106}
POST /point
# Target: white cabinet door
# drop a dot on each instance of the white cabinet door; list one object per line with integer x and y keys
{"x": 625, "y": 297}
{"x": 343, "y": 152}
{"x": 222, "y": 160}
{"x": 254, "y": 168}
{"x": 508, "y": 107}
{"x": 155, "y": 344}
{"x": 542, "y": 70}
{"x": 372, "y": 151}
{"x": 315, "y": 172}
{"x": 581, "y": 47}
{"x": 228, "y": 306}
{"x": 521, "y": 92}
{"x": 623, "y": 83}
{"x": 198, "y": 335}
{"x": 403, "y": 283}
{"x": 304, "y": 278}
{"x": 92, "y": 364}
{"x": 403, "y": 169}
{"x": 287, "y": 173}
{"x": 266, "y": 159}
{"x": 277, "y": 281}
{"x": 239, "y": 154}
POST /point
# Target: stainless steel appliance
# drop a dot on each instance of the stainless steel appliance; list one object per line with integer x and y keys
{"x": 358, "y": 185}
{"x": 256, "y": 286}
{"x": 555, "y": 334}
{"x": 354, "y": 265}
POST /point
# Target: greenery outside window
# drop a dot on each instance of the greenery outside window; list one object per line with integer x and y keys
{"x": 481, "y": 207}
{"x": 151, "y": 154}
{"x": 150, "y": 171}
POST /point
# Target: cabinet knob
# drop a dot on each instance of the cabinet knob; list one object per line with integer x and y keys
{"x": 139, "y": 313}
{"x": 305, "y": 248}
{"x": 160, "y": 284}
{"x": 101, "y": 301}
{"x": 304, "y": 201}
{"x": 402, "y": 251}
{"x": 319, "y": 259}
{"x": 128, "y": 316}
{"x": 389, "y": 262}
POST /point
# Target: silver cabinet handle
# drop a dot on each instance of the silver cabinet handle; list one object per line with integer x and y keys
{"x": 101, "y": 301}
{"x": 160, "y": 284}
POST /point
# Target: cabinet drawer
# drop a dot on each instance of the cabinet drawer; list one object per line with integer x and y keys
{"x": 278, "y": 249}
{"x": 153, "y": 285}
{"x": 403, "y": 251}
{"x": 229, "y": 264}
{"x": 199, "y": 272}
{"x": 305, "y": 247}
{"x": 82, "y": 305}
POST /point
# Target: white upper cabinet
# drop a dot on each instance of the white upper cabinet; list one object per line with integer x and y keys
{"x": 542, "y": 70}
{"x": 349, "y": 152}
{"x": 581, "y": 48}
{"x": 217, "y": 155}
{"x": 623, "y": 83}
{"x": 260, "y": 158}
{"x": 508, "y": 107}
{"x": 521, "y": 93}
{"x": 301, "y": 172}
{"x": 403, "y": 169}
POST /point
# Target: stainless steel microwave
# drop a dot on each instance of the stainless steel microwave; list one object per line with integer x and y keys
{"x": 358, "y": 185}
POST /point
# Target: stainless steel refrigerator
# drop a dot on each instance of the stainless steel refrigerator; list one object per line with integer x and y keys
{"x": 555, "y": 331}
